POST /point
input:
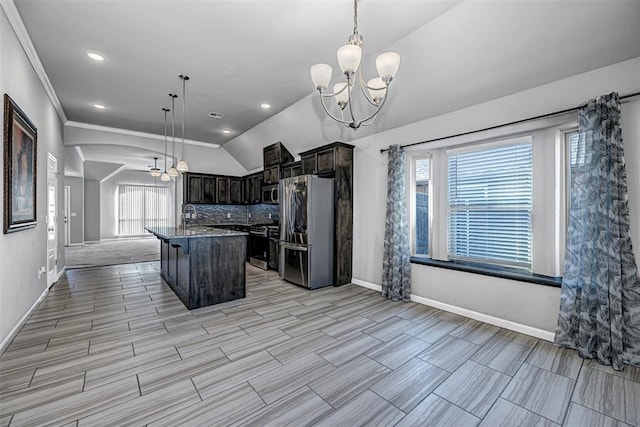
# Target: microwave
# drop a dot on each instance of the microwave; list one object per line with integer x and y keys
{"x": 270, "y": 194}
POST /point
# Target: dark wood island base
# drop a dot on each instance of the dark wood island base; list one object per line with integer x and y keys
{"x": 203, "y": 266}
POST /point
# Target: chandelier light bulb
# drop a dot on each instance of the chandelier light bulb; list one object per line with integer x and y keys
{"x": 377, "y": 89}
{"x": 321, "y": 76}
{"x": 341, "y": 93}
{"x": 349, "y": 57}
{"x": 387, "y": 64}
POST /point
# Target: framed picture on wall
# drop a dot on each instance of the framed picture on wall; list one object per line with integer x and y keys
{"x": 20, "y": 154}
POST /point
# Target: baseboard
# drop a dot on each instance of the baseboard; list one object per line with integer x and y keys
{"x": 75, "y": 244}
{"x": 482, "y": 317}
{"x": 6, "y": 341}
{"x": 60, "y": 273}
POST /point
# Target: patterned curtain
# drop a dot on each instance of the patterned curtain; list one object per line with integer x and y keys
{"x": 600, "y": 301}
{"x": 396, "y": 267}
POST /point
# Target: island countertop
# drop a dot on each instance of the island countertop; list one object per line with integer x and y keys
{"x": 192, "y": 232}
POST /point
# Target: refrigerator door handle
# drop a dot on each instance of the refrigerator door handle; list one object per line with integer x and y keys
{"x": 294, "y": 246}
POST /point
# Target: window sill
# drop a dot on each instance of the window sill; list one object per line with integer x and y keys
{"x": 502, "y": 272}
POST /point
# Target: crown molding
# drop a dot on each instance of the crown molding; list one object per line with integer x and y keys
{"x": 99, "y": 128}
{"x": 10, "y": 10}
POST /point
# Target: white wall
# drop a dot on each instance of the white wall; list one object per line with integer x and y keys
{"x": 22, "y": 253}
{"x": 92, "y": 210}
{"x": 109, "y": 197}
{"x": 524, "y": 303}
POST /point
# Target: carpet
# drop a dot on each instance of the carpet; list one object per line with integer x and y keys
{"x": 122, "y": 251}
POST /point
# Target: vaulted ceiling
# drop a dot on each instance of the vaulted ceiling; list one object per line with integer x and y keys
{"x": 242, "y": 53}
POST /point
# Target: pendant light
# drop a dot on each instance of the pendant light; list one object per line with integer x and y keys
{"x": 182, "y": 165}
{"x": 165, "y": 176}
{"x": 155, "y": 171}
{"x": 172, "y": 170}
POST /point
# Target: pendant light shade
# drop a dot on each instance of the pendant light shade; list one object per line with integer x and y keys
{"x": 182, "y": 165}
{"x": 321, "y": 75}
{"x": 387, "y": 65}
{"x": 349, "y": 57}
{"x": 165, "y": 177}
{"x": 377, "y": 89}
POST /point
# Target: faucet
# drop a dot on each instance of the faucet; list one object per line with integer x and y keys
{"x": 184, "y": 214}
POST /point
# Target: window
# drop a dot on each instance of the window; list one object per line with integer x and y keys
{"x": 490, "y": 204}
{"x": 422, "y": 174}
{"x": 142, "y": 206}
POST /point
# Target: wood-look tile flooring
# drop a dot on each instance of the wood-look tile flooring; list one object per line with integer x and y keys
{"x": 114, "y": 346}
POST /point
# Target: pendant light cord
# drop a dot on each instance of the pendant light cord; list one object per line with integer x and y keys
{"x": 355, "y": 16}
{"x": 184, "y": 102}
{"x": 166, "y": 110}
{"x": 173, "y": 128}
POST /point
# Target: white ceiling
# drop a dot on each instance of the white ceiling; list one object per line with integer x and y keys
{"x": 243, "y": 52}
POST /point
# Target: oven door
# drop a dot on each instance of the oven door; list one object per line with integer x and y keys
{"x": 294, "y": 263}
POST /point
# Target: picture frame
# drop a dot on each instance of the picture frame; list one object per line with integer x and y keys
{"x": 20, "y": 166}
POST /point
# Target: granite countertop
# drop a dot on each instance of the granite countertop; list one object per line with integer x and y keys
{"x": 192, "y": 232}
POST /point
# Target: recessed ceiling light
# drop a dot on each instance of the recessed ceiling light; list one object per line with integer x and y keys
{"x": 226, "y": 131}
{"x": 98, "y": 57}
{"x": 265, "y": 105}
{"x": 215, "y": 115}
{"x": 99, "y": 106}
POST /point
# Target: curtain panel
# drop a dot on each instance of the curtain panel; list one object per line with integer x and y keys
{"x": 396, "y": 264}
{"x": 600, "y": 300}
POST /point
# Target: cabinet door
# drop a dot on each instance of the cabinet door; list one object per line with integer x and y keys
{"x": 309, "y": 164}
{"x": 296, "y": 170}
{"x": 275, "y": 175}
{"x": 235, "y": 190}
{"x": 256, "y": 189}
{"x": 326, "y": 161}
{"x": 271, "y": 156}
{"x": 194, "y": 189}
{"x": 246, "y": 190}
{"x": 208, "y": 190}
{"x": 222, "y": 188}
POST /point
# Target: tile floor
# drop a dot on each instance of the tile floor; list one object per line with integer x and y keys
{"x": 114, "y": 346}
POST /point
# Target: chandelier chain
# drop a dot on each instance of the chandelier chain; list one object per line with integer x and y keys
{"x": 355, "y": 16}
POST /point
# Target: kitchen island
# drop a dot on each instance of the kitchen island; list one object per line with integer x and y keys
{"x": 202, "y": 265}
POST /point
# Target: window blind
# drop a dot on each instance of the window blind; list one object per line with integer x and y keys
{"x": 421, "y": 234}
{"x": 490, "y": 200}
{"x": 142, "y": 206}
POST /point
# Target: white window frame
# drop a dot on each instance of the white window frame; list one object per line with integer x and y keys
{"x": 549, "y": 188}
{"x": 422, "y": 155}
{"x": 528, "y": 139}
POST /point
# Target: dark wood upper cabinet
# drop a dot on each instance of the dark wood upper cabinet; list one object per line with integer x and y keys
{"x": 193, "y": 188}
{"x": 208, "y": 189}
{"x": 222, "y": 190}
{"x": 276, "y": 154}
{"x": 235, "y": 190}
{"x": 309, "y": 165}
{"x": 291, "y": 169}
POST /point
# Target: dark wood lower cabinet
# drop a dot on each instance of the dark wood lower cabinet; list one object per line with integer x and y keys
{"x": 205, "y": 271}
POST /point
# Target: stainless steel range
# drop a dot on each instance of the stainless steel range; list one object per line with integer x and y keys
{"x": 259, "y": 246}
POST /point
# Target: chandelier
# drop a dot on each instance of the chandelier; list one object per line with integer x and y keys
{"x": 155, "y": 170}
{"x": 374, "y": 91}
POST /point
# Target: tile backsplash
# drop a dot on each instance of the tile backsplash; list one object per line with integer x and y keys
{"x": 234, "y": 214}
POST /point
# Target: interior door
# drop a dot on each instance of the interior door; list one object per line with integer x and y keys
{"x": 52, "y": 243}
{"x": 67, "y": 215}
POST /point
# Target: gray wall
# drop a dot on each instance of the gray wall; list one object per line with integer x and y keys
{"x": 91, "y": 210}
{"x": 76, "y": 216}
{"x": 22, "y": 253}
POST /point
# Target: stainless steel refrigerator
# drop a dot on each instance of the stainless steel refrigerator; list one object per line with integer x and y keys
{"x": 306, "y": 231}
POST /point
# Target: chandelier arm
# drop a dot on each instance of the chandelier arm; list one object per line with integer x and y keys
{"x": 327, "y": 95}
{"x": 373, "y": 115}
{"x": 363, "y": 85}
{"x": 344, "y": 122}
{"x": 353, "y": 119}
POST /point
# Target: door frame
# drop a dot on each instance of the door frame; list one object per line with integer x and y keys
{"x": 67, "y": 215}
{"x": 52, "y": 170}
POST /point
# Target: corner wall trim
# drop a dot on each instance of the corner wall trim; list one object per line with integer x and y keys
{"x": 6, "y": 341}
{"x": 59, "y": 275}
{"x": 496, "y": 321}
